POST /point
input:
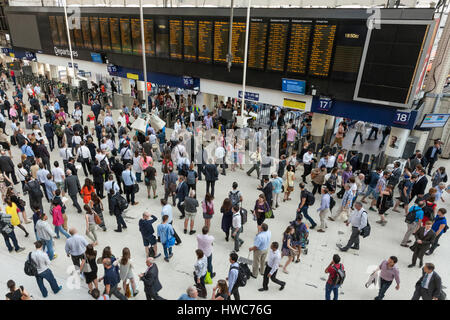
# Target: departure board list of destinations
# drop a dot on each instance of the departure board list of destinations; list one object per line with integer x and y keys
{"x": 221, "y": 30}
{"x": 238, "y": 42}
{"x": 257, "y": 44}
{"x": 136, "y": 36}
{"x": 104, "y": 31}
{"x": 298, "y": 47}
{"x": 176, "y": 39}
{"x": 86, "y": 32}
{"x": 322, "y": 49}
{"x": 115, "y": 35}
{"x": 205, "y": 46}
{"x": 95, "y": 34}
{"x": 277, "y": 44}
{"x": 125, "y": 34}
{"x": 149, "y": 37}
{"x": 190, "y": 40}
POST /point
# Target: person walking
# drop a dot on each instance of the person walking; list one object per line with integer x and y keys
{"x": 233, "y": 286}
{"x": 46, "y": 234}
{"x": 111, "y": 280}
{"x": 358, "y": 220}
{"x": 303, "y": 206}
{"x": 260, "y": 209}
{"x": 346, "y": 204}
{"x": 324, "y": 209}
{"x": 332, "y": 284}
{"x": 429, "y": 286}
{"x": 200, "y": 270}
{"x": 76, "y": 247}
{"x": 360, "y": 131}
{"x": 424, "y": 238}
{"x": 97, "y": 207}
{"x": 439, "y": 227}
{"x": 432, "y": 155}
{"x": 182, "y": 192}
{"x": 117, "y": 210}
{"x": 237, "y": 228}
{"x": 7, "y": 230}
{"x": 413, "y": 222}
{"x": 166, "y": 235}
{"x": 260, "y": 248}
{"x": 388, "y": 272}
{"x": 90, "y": 224}
{"x": 287, "y": 248}
{"x": 151, "y": 281}
{"x": 271, "y": 268}
{"x": 126, "y": 271}
{"x": 147, "y": 232}
{"x": 42, "y": 262}
{"x": 289, "y": 182}
{"x": 190, "y": 207}
{"x": 72, "y": 187}
{"x": 211, "y": 176}
{"x": 129, "y": 180}
{"x": 90, "y": 257}
{"x": 58, "y": 219}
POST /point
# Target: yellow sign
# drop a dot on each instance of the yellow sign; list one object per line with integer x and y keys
{"x": 12, "y": 55}
{"x": 294, "y": 104}
{"x": 133, "y": 76}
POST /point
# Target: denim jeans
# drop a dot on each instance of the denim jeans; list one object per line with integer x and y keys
{"x": 138, "y": 176}
{"x": 328, "y": 289}
{"x": 210, "y": 267}
{"x": 47, "y": 275}
{"x": 60, "y": 228}
{"x": 304, "y": 211}
{"x": 49, "y": 245}
{"x": 11, "y": 236}
{"x": 384, "y": 285}
{"x": 167, "y": 250}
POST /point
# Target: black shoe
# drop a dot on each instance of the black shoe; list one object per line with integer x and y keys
{"x": 312, "y": 228}
{"x": 355, "y": 248}
{"x": 226, "y": 239}
{"x": 342, "y": 249}
{"x": 420, "y": 264}
{"x": 428, "y": 253}
{"x": 182, "y": 217}
{"x": 411, "y": 265}
{"x": 191, "y": 232}
{"x": 178, "y": 243}
{"x": 117, "y": 230}
{"x": 185, "y": 231}
{"x": 213, "y": 275}
{"x": 262, "y": 289}
{"x": 282, "y": 287}
{"x": 251, "y": 275}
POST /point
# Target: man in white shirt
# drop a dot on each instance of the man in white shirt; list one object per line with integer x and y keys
{"x": 272, "y": 264}
{"x": 65, "y": 153}
{"x": 58, "y": 176}
{"x": 126, "y": 156}
{"x": 307, "y": 164}
{"x": 43, "y": 270}
{"x": 110, "y": 184}
{"x": 360, "y": 130}
{"x": 220, "y": 158}
{"x": 237, "y": 227}
{"x": 85, "y": 155}
{"x": 358, "y": 220}
{"x": 205, "y": 243}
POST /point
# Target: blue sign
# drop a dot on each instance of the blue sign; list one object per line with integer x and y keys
{"x": 6, "y": 50}
{"x": 96, "y": 57}
{"x": 249, "y": 95}
{"x": 325, "y": 104}
{"x": 30, "y": 55}
{"x": 75, "y": 65}
{"x": 402, "y": 117}
{"x": 188, "y": 82}
{"x": 112, "y": 68}
{"x": 293, "y": 86}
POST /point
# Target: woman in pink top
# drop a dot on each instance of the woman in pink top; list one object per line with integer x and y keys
{"x": 12, "y": 112}
{"x": 145, "y": 161}
{"x": 58, "y": 220}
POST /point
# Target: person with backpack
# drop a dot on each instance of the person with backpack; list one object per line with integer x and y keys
{"x": 306, "y": 199}
{"x": 34, "y": 191}
{"x": 117, "y": 205}
{"x": 439, "y": 227}
{"x": 336, "y": 276}
{"x": 237, "y": 228}
{"x": 191, "y": 177}
{"x": 235, "y": 195}
{"x": 404, "y": 188}
{"x": 300, "y": 235}
{"x": 233, "y": 277}
{"x": 260, "y": 247}
{"x": 7, "y": 230}
{"x": 40, "y": 263}
{"x": 358, "y": 220}
{"x": 413, "y": 221}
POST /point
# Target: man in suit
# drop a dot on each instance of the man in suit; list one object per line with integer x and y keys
{"x": 424, "y": 238}
{"x": 151, "y": 281}
{"x": 98, "y": 173}
{"x": 419, "y": 186}
{"x": 429, "y": 286}
{"x": 182, "y": 193}
{"x": 431, "y": 155}
{"x": 211, "y": 175}
{"x": 71, "y": 166}
{"x": 72, "y": 187}
{"x": 43, "y": 154}
{"x": 50, "y": 134}
{"x": 7, "y": 166}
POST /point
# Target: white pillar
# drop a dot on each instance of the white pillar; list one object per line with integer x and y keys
{"x": 396, "y": 142}
{"x": 54, "y": 72}
{"x": 126, "y": 89}
{"x": 318, "y": 126}
{"x": 34, "y": 67}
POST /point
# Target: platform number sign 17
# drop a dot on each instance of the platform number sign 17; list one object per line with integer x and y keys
{"x": 325, "y": 104}
{"x": 402, "y": 117}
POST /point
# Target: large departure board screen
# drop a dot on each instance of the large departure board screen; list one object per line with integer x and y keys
{"x": 78, "y": 35}
{"x": 221, "y": 30}
{"x": 86, "y": 31}
{"x": 277, "y": 44}
{"x": 299, "y": 46}
{"x": 54, "y": 30}
{"x": 162, "y": 38}
{"x": 205, "y": 46}
{"x": 115, "y": 35}
{"x": 149, "y": 37}
{"x": 190, "y": 40}
{"x": 322, "y": 48}
{"x": 176, "y": 39}
{"x": 257, "y": 43}
{"x": 125, "y": 35}
{"x": 350, "y": 39}
{"x": 238, "y": 43}
{"x": 95, "y": 33}
{"x": 136, "y": 36}
{"x": 62, "y": 30}
{"x": 105, "y": 34}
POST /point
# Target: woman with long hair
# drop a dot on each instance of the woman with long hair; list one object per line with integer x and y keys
{"x": 97, "y": 206}
{"x": 220, "y": 291}
{"x": 200, "y": 270}
{"x": 208, "y": 209}
{"x": 227, "y": 217}
{"x": 87, "y": 190}
{"x": 11, "y": 209}
{"x": 287, "y": 249}
{"x": 90, "y": 258}
{"x": 384, "y": 202}
{"x": 90, "y": 224}
{"x": 260, "y": 209}
{"x": 10, "y": 193}
{"x": 289, "y": 183}
{"x": 126, "y": 271}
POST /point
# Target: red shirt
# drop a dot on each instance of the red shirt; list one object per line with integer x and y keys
{"x": 332, "y": 272}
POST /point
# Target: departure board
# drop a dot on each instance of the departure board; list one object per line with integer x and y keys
{"x": 205, "y": 46}
{"x": 95, "y": 33}
{"x": 149, "y": 37}
{"x": 115, "y": 35}
{"x": 105, "y": 35}
{"x": 257, "y": 43}
{"x": 277, "y": 44}
{"x": 125, "y": 35}
{"x": 54, "y": 30}
{"x": 78, "y": 35}
{"x": 298, "y": 47}
{"x": 176, "y": 39}
{"x": 61, "y": 30}
{"x": 322, "y": 49}
{"x": 162, "y": 38}
{"x": 190, "y": 40}
{"x": 136, "y": 36}
{"x": 86, "y": 31}
{"x": 238, "y": 42}
{"x": 221, "y": 30}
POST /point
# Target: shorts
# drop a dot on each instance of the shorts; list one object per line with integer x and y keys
{"x": 149, "y": 241}
{"x": 190, "y": 215}
{"x": 372, "y": 191}
{"x": 206, "y": 216}
{"x": 152, "y": 184}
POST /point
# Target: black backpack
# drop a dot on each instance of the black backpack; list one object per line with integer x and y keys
{"x": 243, "y": 213}
{"x": 104, "y": 165}
{"x": 243, "y": 274}
{"x": 310, "y": 198}
{"x": 411, "y": 216}
{"x": 340, "y": 275}
{"x": 121, "y": 202}
{"x": 35, "y": 190}
{"x": 30, "y": 267}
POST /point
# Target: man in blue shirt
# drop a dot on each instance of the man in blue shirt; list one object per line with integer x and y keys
{"x": 233, "y": 289}
{"x": 26, "y": 150}
{"x": 415, "y": 225}
{"x": 191, "y": 294}
{"x": 147, "y": 232}
{"x": 439, "y": 227}
{"x": 129, "y": 180}
{"x": 373, "y": 181}
{"x": 260, "y": 247}
{"x": 111, "y": 279}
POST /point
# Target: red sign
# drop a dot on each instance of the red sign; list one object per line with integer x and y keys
{"x": 149, "y": 86}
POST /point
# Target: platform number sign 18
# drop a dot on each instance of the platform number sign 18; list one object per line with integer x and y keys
{"x": 402, "y": 117}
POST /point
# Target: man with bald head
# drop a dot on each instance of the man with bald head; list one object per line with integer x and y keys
{"x": 151, "y": 281}
{"x": 76, "y": 247}
{"x": 72, "y": 187}
{"x": 111, "y": 279}
{"x": 147, "y": 232}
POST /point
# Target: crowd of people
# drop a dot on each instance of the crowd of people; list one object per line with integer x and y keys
{"x": 103, "y": 162}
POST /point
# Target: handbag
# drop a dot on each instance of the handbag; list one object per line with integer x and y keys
{"x": 128, "y": 291}
{"x": 269, "y": 214}
{"x": 135, "y": 186}
{"x": 171, "y": 242}
{"x": 208, "y": 279}
{"x": 86, "y": 267}
{"x": 97, "y": 219}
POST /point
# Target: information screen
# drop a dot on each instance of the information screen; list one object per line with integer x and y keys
{"x": 238, "y": 43}
{"x": 162, "y": 38}
{"x": 136, "y": 36}
{"x": 61, "y": 30}
{"x": 125, "y": 35}
{"x": 221, "y": 30}
{"x": 115, "y": 35}
{"x": 435, "y": 120}
{"x": 277, "y": 44}
{"x": 149, "y": 37}
{"x": 78, "y": 35}
{"x": 299, "y": 46}
{"x": 190, "y": 40}
{"x": 54, "y": 30}
{"x": 205, "y": 47}
{"x": 322, "y": 49}
{"x": 105, "y": 34}
{"x": 95, "y": 33}
{"x": 257, "y": 44}
{"x": 176, "y": 39}
{"x": 86, "y": 31}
